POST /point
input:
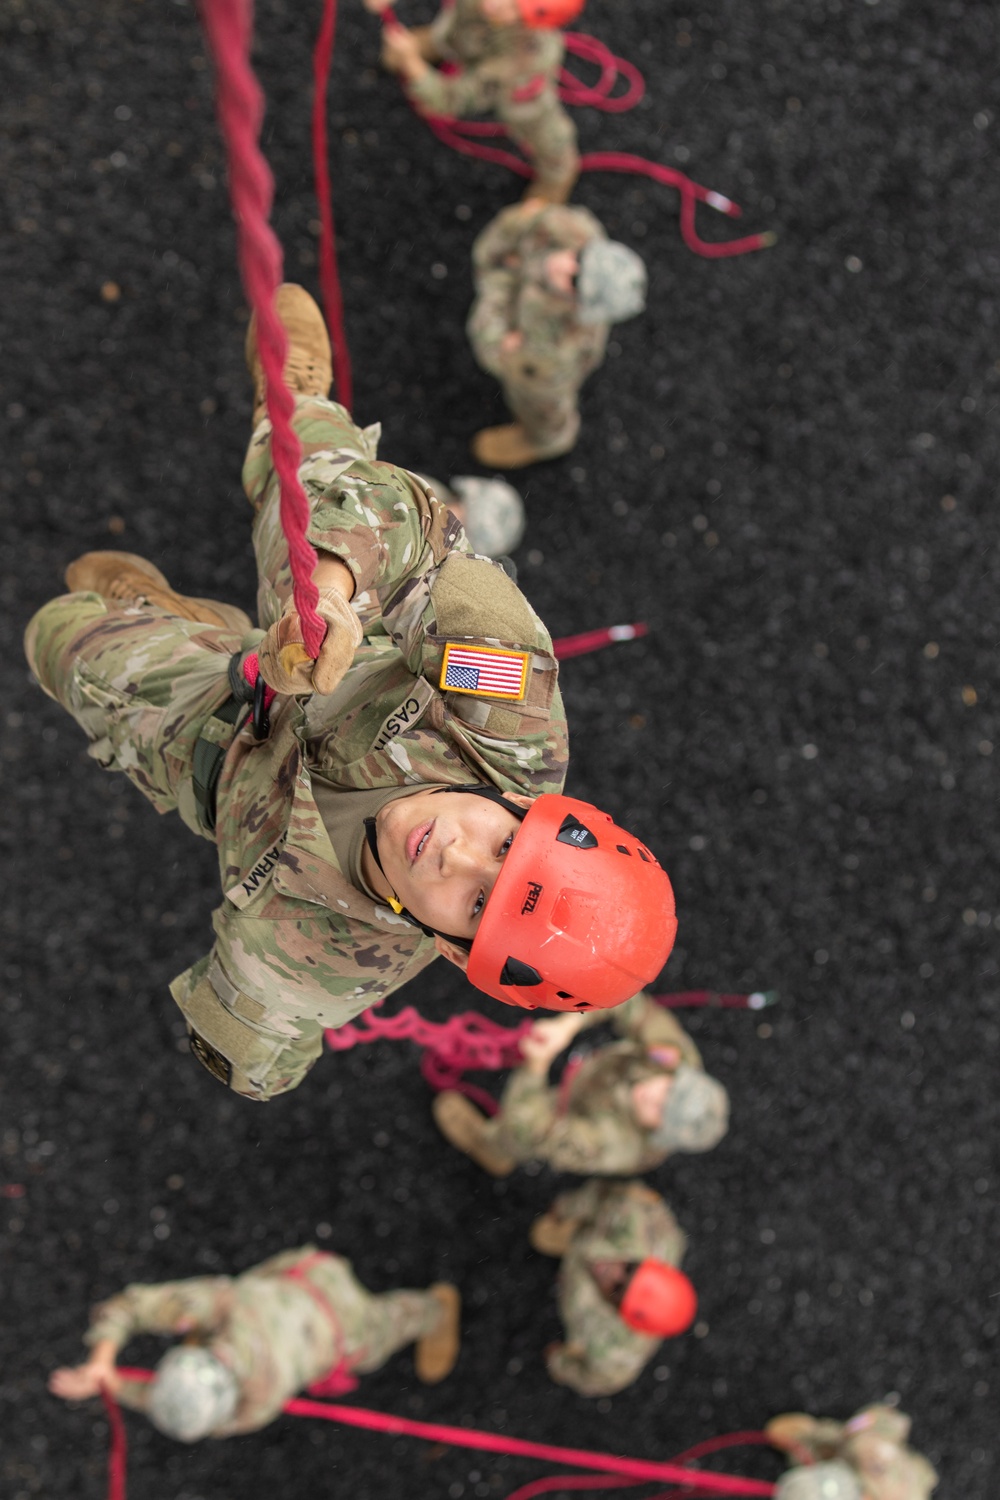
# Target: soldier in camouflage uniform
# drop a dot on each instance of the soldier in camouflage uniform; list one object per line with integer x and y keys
{"x": 298, "y": 1320}
{"x": 865, "y": 1458}
{"x": 549, "y": 283}
{"x": 602, "y": 1230}
{"x": 307, "y": 935}
{"x": 624, "y": 1108}
{"x": 508, "y": 64}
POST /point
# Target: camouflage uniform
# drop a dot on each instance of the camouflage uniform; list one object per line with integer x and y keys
{"x": 542, "y": 376}
{"x": 298, "y": 947}
{"x": 507, "y": 71}
{"x": 587, "y": 1124}
{"x": 275, "y": 1334}
{"x": 614, "y": 1221}
{"x": 871, "y": 1446}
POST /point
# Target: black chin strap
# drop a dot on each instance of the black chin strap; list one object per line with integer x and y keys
{"x": 371, "y": 839}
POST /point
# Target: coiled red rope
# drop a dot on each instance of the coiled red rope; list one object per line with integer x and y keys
{"x": 469, "y": 1042}
{"x": 466, "y": 137}
{"x": 635, "y": 1470}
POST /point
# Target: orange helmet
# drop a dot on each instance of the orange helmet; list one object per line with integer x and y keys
{"x": 552, "y": 13}
{"x": 581, "y": 916}
{"x": 659, "y": 1300}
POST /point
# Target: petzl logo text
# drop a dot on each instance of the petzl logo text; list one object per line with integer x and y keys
{"x": 531, "y": 898}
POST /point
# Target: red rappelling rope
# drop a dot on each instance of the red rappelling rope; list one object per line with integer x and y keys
{"x": 240, "y": 105}
{"x": 118, "y": 1449}
{"x": 329, "y": 279}
{"x": 696, "y": 1482}
{"x": 465, "y": 136}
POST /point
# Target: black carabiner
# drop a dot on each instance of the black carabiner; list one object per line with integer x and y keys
{"x": 260, "y": 718}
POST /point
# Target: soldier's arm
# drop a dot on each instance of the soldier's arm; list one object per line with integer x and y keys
{"x": 472, "y": 91}
{"x": 197, "y": 1305}
{"x": 642, "y": 1020}
{"x": 602, "y": 1371}
{"x": 258, "y": 1004}
{"x": 492, "y": 318}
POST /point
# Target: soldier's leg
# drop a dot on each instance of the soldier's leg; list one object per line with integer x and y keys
{"x": 547, "y": 136}
{"x": 393, "y": 1320}
{"x": 546, "y": 410}
{"x": 140, "y": 682}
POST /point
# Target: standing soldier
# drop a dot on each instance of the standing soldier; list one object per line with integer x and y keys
{"x": 866, "y": 1458}
{"x": 620, "y": 1292}
{"x": 623, "y": 1109}
{"x": 251, "y": 1342}
{"x": 508, "y": 56}
{"x": 549, "y": 284}
{"x": 345, "y": 866}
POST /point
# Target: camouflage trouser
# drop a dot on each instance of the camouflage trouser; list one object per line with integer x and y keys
{"x": 547, "y": 136}
{"x": 374, "y": 1325}
{"x": 545, "y": 407}
{"x": 143, "y": 684}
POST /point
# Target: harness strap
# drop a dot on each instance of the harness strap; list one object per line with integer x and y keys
{"x": 213, "y": 743}
{"x": 338, "y": 1380}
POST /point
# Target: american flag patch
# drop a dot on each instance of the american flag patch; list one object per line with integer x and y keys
{"x": 485, "y": 670}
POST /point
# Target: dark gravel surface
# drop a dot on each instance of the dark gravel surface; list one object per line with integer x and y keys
{"x": 788, "y": 468}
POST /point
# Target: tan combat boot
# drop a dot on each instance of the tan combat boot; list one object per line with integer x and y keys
{"x": 436, "y": 1352}
{"x": 125, "y": 578}
{"x": 551, "y": 1235}
{"x": 462, "y": 1124}
{"x": 506, "y": 447}
{"x": 308, "y": 366}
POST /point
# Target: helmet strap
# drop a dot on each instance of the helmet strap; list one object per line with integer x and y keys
{"x": 492, "y": 794}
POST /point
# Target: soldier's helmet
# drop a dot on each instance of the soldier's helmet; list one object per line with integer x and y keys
{"x": 659, "y": 1300}
{"x": 192, "y": 1395}
{"x": 611, "y": 285}
{"x": 695, "y": 1112}
{"x": 831, "y": 1481}
{"x": 581, "y": 916}
{"x": 494, "y": 511}
{"x": 547, "y": 13}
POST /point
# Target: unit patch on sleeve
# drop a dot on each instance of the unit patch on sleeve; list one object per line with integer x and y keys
{"x": 487, "y": 671}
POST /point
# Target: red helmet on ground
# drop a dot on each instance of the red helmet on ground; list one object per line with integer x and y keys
{"x": 659, "y": 1300}
{"x": 581, "y": 916}
{"x": 552, "y": 13}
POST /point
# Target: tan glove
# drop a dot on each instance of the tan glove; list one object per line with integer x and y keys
{"x": 286, "y": 664}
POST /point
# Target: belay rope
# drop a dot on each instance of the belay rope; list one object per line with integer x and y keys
{"x": 601, "y": 1466}
{"x": 467, "y": 137}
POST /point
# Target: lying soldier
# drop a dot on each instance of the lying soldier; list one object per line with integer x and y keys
{"x": 251, "y": 1342}
{"x": 866, "y": 1458}
{"x": 549, "y": 284}
{"x": 620, "y": 1292}
{"x": 404, "y": 800}
{"x": 505, "y": 57}
{"x": 623, "y": 1109}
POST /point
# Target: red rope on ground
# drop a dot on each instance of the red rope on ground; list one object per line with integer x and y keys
{"x": 593, "y": 640}
{"x": 118, "y": 1450}
{"x": 635, "y": 1469}
{"x": 329, "y": 279}
{"x": 464, "y": 136}
{"x": 574, "y": 91}
{"x": 228, "y": 28}
{"x": 571, "y": 1482}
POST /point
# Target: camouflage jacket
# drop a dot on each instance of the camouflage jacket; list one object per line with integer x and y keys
{"x": 873, "y": 1445}
{"x": 270, "y": 1331}
{"x": 616, "y": 1221}
{"x": 507, "y": 71}
{"x": 512, "y": 296}
{"x": 587, "y": 1124}
{"x": 298, "y": 947}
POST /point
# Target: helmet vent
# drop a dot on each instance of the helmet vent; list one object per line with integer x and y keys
{"x": 517, "y": 973}
{"x": 622, "y": 850}
{"x": 643, "y": 855}
{"x": 572, "y": 831}
{"x": 564, "y": 994}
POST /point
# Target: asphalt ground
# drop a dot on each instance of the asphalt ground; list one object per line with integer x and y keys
{"x": 788, "y": 469}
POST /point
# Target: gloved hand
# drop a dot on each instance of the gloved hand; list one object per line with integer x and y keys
{"x": 284, "y": 661}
